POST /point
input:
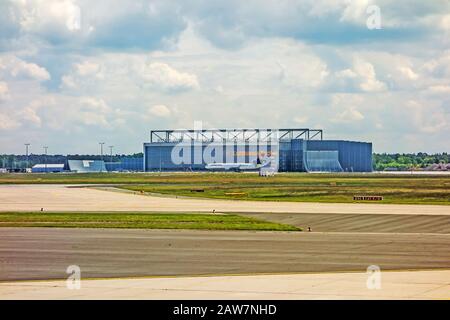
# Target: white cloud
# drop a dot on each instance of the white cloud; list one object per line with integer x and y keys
{"x": 301, "y": 119}
{"x": 299, "y": 67}
{"x": 160, "y": 110}
{"x": 30, "y": 70}
{"x": 87, "y": 68}
{"x": 73, "y": 112}
{"x": 408, "y": 73}
{"x": 85, "y": 74}
{"x": 68, "y": 82}
{"x": 391, "y": 71}
{"x": 440, "y": 89}
{"x": 7, "y": 123}
{"x": 93, "y": 111}
{"x": 321, "y": 8}
{"x": 163, "y": 76}
{"x": 113, "y": 72}
{"x": 104, "y": 24}
{"x": 37, "y": 15}
{"x": 360, "y": 77}
{"x": 19, "y": 68}
{"x": 347, "y": 73}
{"x": 445, "y": 22}
{"x": 346, "y": 108}
{"x": 366, "y": 72}
{"x": 350, "y": 114}
{"x": 440, "y": 66}
{"x": 426, "y": 118}
{"x": 304, "y": 74}
{"x": 219, "y": 89}
{"x": 123, "y": 66}
{"x": 29, "y": 114}
{"x": 4, "y": 91}
{"x": 355, "y": 11}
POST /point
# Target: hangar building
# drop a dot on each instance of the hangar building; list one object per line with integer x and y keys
{"x": 290, "y": 150}
{"x": 86, "y": 166}
{"x": 47, "y": 168}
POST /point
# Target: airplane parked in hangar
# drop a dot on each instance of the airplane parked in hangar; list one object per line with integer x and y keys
{"x": 239, "y": 166}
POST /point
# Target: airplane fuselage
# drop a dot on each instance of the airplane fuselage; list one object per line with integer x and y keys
{"x": 231, "y": 166}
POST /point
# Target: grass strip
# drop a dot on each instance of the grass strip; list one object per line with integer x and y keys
{"x": 134, "y": 220}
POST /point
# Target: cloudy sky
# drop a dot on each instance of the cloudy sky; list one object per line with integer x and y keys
{"x": 76, "y": 72}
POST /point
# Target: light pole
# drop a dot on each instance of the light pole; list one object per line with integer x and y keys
{"x": 111, "y": 152}
{"x": 45, "y": 150}
{"x": 101, "y": 148}
{"x": 26, "y": 152}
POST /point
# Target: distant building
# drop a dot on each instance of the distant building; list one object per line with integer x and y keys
{"x": 85, "y": 166}
{"x": 126, "y": 164}
{"x": 438, "y": 167}
{"x": 46, "y": 168}
{"x": 292, "y": 150}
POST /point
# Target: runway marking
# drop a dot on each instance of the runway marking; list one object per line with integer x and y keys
{"x": 243, "y": 274}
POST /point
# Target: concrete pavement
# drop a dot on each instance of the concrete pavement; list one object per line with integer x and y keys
{"x": 62, "y": 198}
{"x": 393, "y": 285}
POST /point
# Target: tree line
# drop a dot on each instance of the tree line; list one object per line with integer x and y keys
{"x": 381, "y": 161}
{"x": 408, "y": 161}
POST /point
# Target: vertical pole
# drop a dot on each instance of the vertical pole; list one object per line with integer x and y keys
{"x": 45, "y": 150}
{"x": 101, "y": 149}
{"x": 26, "y": 151}
{"x": 111, "y": 153}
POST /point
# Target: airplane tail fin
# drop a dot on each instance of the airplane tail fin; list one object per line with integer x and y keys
{"x": 266, "y": 162}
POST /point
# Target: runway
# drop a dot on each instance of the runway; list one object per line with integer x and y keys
{"x": 45, "y": 253}
{"x": 393, "y": 285}
{"x": 366, "y": 223}
{"x": 225, "y": 264}
{"x": 62, "y": 198}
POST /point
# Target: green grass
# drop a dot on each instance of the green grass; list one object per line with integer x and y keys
{"x": 139, "y": 221}
{"x": 301, "y": 193}
{"x": 77, "y": 178}
{"x": 338, "y": 188}
{"x": 403, "y": 189}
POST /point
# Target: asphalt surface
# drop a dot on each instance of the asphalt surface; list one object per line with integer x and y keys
{"x": 45, "y": 253}
{"x": 391, "y": 223}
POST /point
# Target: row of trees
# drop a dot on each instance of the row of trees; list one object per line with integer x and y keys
{"x": 408, "y": 161}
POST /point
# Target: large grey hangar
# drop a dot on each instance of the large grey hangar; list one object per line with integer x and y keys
{"x": 289, "y": 150}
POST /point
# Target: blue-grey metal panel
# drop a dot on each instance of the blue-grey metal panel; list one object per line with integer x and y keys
{"x": 323, "y": 161}
{"x": 46, "y": 170}
{"x": 86, "y": 166}
{"x": 113, "y": 166}
{"x": 158, "y": 156}
{"x": 132, "y": 164}
{"x": 353, "y": 156}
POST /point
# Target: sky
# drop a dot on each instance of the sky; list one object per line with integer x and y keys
{"x": 74, "y": 73}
